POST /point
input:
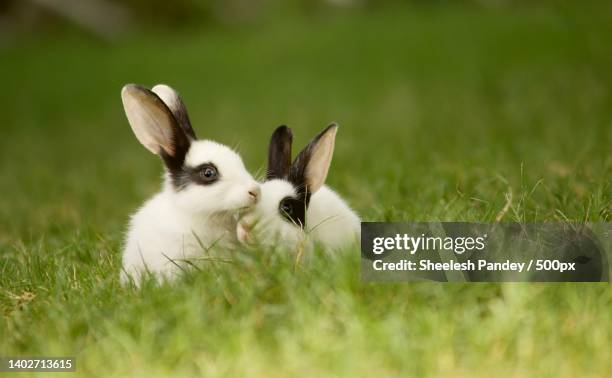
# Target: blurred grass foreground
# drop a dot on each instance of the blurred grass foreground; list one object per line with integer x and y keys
{"x": 467, "y": 110}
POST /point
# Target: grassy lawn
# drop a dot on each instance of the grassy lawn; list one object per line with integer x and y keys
{"x": 446, "y": 114}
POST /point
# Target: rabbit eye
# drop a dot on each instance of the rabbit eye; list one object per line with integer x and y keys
{"x": 286, "y": 207}
{"x": 203, "y": 174}
{"x": 293, "y": 210}
{"x": 208, "y": 173}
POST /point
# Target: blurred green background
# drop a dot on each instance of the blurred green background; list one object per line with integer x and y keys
{"x": 448, "y": 110}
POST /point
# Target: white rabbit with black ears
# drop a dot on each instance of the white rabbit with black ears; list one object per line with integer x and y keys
{"x": 296, "y": 209}
{"x": 205, "y": 187}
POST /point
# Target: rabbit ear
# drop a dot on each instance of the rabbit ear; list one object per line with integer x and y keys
{"x": 310, "y": 167}
{"x": 279, "y": 153}
{"x": 175, "y": 103}
{"x": 154, "y": 125}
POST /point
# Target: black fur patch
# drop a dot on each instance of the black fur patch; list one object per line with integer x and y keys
{"x": 182, "y": 136}
{"x": 185, "y": 176}
{"x": 293, "y": 210}
{"x": 279, "y": 153}
{"x": 182, "y": 118}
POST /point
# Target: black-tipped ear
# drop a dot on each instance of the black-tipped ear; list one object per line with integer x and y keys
{"x": 154, "y": 125}
{"x": 279, "y": 153}
{"x": 310, "y": 167}
{"x": 175, "y": 103}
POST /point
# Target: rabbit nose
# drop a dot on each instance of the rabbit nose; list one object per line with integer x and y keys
{"x": 255, "y": 193}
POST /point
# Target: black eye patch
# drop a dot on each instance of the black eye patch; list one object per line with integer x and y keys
{"x": 203, "y": 174}
{"x": 293, "y": 210}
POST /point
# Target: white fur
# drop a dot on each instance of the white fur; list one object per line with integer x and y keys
{"x": 168, "y": 96}
{"x": 330, "y": 222}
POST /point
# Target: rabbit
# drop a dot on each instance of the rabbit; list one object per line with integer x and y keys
{"x": 205, "y": 187}
{"x": 296, "y": 209}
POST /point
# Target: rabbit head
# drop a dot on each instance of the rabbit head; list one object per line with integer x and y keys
{"x": 203, "y": 176}
{"x": 280, "y": 216}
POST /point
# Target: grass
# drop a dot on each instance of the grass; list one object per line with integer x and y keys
{"x": 444, "y": 111}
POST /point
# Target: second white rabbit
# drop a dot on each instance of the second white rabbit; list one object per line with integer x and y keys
{"x": 296, "y": 209}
